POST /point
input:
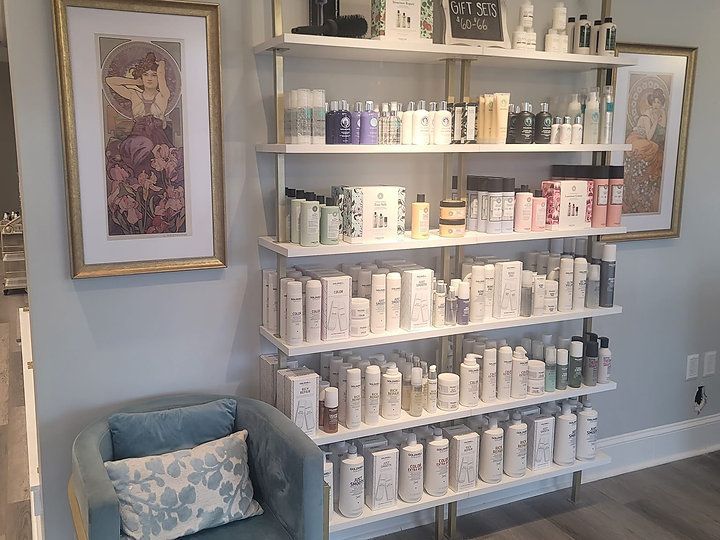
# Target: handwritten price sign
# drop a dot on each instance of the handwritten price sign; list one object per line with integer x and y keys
{"x": 474, "y": 22}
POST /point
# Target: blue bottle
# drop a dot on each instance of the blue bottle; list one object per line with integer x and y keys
{"x": 344, "y": 124}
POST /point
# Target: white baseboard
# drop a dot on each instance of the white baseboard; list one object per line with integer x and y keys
{"x": 629, "y": 452}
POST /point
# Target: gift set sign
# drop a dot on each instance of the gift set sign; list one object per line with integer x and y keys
{"x": 476, "y": 23}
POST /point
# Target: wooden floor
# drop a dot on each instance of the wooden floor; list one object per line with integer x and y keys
{"x": 680, "y": 500}
{"x": 14, "y": 490}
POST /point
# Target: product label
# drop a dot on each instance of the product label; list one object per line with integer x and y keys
{"x": 616, "y": 194}
{"x": 602, "y": 195}
{"x": 484, "y": 206}
{"x": 495, "y": 207}
{"x": 584, "y": 38}
{"x": 610, "y": 38}
{"x": 527, "y": 131}
{"x": 508, "y": 210}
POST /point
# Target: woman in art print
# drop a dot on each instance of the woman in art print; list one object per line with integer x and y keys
{"x": 648, "y": 136}
{"x": 146, "y": 185}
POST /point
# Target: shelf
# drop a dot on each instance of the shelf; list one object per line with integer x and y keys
{"x": 437, "y": 149}
{"x": 339, "y": 522}
{"x": 16, "y": 256}
{"x": 406, "y": 421}
{"x": 424, "y": 52}
{"x": 15, "y": 282}
{"x": 400, "y": 336}
{"x": 290, "y": 250}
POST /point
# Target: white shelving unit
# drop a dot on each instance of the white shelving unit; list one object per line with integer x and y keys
{"x": 286, "y": 46}
{"x": 12, "y": 253}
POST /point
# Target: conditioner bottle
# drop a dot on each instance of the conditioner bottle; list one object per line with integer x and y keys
{"x": 587, "y": 425}
{"x": 565, "y": 433}
{"x": 491, "y": 453}
{"x": 437, "y": 462}
{"x": 410, "y": 483}
{"x": 515, "y": 447}
{"x": 352, "y": 484}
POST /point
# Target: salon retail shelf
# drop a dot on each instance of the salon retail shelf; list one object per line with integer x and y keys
{"x": 339, "y": 522}
{"x": 287, "y": 249}
{"x": 438, "y": 149}
{"x": 400, "y": 336}
{"x": 406, "y": 421}
{"x": 367, "y": 50}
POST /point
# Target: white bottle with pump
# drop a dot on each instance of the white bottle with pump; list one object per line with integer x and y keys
{"x": 587, "y": 425}
{"x": 420, "y": 125}
{"x": 352, "y": 484}
{"x": 491, "y": 453}
{"x": 565, "y": 435}
{"x": 469, "y": 381}
{"x": 488, "y": 392}
{"x": 410, "y": 481}
{"x": 371, "y": 410}
{"x": 437, "y": 464}
{"x": 580, "y": 273}
{"x": 519, "y": 386}
{"x": 515, "y": 447}
{"x": 391, "y": 394}
{"x": 504, "y": 372}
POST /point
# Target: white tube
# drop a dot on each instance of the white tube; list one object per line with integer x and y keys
{"x": 377, "y": 304}
{"x": 392, "y": 302}
{"x": 372, "y": 395}
{"x": 353, "y": 396}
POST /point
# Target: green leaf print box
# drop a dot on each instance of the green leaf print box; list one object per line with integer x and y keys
{"x": 402, "y": 20}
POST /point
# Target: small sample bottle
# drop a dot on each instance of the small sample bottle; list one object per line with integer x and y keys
{"x": 369, "y": 124}
{"x": 577, "y": 131}
{"x": 515, "y": 447}
{"x": 420, "y": 228}
{"x": 356, "y": 121}
{"x": 607, "y": 275}
{"x": 561, "y": 373}
{"x": 352, "y": 484}
{"x": 420, "y": 125}
{"x": 463, "y": 303}
{"x": 525, "y": 133}
{"x": 575, "y": 364}
{"x": 469, "y": 381}
{"x": 330, "y": 414}
{"x": 539, "y": 211}
{"x": 592, "y": 291}
{"x": 407, "y": 124}
{"x": 604, "y": 361}
{"x": 565, "y": 434}
{"x": 411, "y": 475}
{"x": 437, "y": 464}
{"x": 416, "y": 392}
{"x": 565, "y": 131}
{"x": 550, "y": 368}
{"x": 543, "y": 125}
{"x": 526, "y": 294}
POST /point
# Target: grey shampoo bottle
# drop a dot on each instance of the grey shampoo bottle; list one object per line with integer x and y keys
{"x": 607, "y": 275}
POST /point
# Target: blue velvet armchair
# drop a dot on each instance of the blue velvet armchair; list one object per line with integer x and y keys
{"x": 286, "y": 469}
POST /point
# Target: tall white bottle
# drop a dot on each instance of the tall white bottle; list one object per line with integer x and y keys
{"x": 328, "y": 478}
{"x": 477, "y": 294}
{"x": 410, "y": 482}
{"x": 565, "y": 292}
{"x": 565, "y": 435}
{"x": 519, "y": 386}
{"x": 313, "y": 309}
{"x": 378, "y": 310}
{"x": 437, "y": 464}
{"x": 469, "y": 381}
{"x": 421, "y": 125}
{"x": 580, "y": 273}
{"x": 391, "y": 394}
{"x": 352, "y": 484}
{"x": 432, "y": 390}
{"x": 604, "y": 361}
{"x": 591, "y": 127}
{"x": 371, "y": 409}
{"x": 442, "y": 125}
{"x": 488, "y": 388}
{"x": 515, "y": 447}
{"x": 587, "y": 425}
{"x": 504, "y": 372}
{"x": 294, "y": 323}
{"x": 393, "y": 286}
{"x": 353, "y": 406}
{"x": 491, "y": 453}
{"x": 406, "y": 130}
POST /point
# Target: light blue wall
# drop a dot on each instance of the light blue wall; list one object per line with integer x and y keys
{"x": 102, "y": 342}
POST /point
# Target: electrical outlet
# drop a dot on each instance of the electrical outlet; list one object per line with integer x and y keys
{"x": 709, "y": 360}
{"x": 693, "y": 366}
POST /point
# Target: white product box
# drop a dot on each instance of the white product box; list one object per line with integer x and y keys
{"x": 541, "y": 436}
{"x": 381, "y": 478}
{"x": 373, "y": 213}
{"x": 303, "y": 398}
{"x": 416, "y": 299}
{"x": 268, "y": 378}
{"x": 508, "y": 280}
{"x": 572, "y": 201}
{"x": 401, "y": 20}
{"x": 282, "y": 390}
{"x": 336, "y": 293}
{"x": 464, "y": 448}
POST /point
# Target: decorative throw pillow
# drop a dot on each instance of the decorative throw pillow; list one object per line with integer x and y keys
{"x": 179, "y": 493}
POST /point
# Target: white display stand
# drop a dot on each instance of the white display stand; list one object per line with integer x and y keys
{"x": 319, "y": 47}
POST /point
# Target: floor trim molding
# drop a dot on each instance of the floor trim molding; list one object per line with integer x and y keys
{"x": 630, "y": 452}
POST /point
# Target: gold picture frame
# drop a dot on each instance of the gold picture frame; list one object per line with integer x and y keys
{"x": 213, "y": 233}
{"x": 672, "y": 230}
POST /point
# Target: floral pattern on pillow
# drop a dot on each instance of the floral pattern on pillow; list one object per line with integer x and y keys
{"x": 179, "y": 493}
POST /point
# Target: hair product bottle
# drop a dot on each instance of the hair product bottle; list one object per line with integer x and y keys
{"x": 617, "y": 189}
{"x": 294, "y": 322}
{"x": 491, "y": 453}
{"x": 488, "y": 387}
{"x": 442, "y": 124}
{"x": 523, "y": 210}
{"x": 353, "y": 407}
{"x": 592, "y": 294}
{"x": 410, "y": 482}
{"x": 469, "y": 381}
{"x": 416, "y": 392}
{"x": 331, "y": 410}
{"x": 565, "y": 433}
{"x": 543, "y": 125}
{"x": 420, "y": 125}
{"x": 432, "y": 390}
{"x": 420, "y": 229}
{"x": 605, "y": 361}
{"x": 390, "y": 394}
{"x": 356, "y": 122}
{"x": 608, "y": 38}
{"x": 407, "y": 124}
{"x": 591, "y": 128}
{"x": 575, "y": 363}
{"x": 393, "y": 286}
{"x": 607, "y": 115}
{"x": 590, "y": 364}
{"x": 539, "y": 211}
{"x": 328, "y": 479}
{"x": 536, "y": 377}
{"x": 504, "y": 371}
{"x": 550, "y": 368}
{"x": 369, "y": 124}
{"x": 463, "y": 303}
{"x": 565, "y": 293}
{"x": 437, "y": 462}
{"x": 562, "y": 369}
{"x": 607, "y": 275}
{"x": 519, "y": 374}
{"x": 515, "y": 447}
{"x": 587, "y": 426}
{"x": 477, "y": 293}
{"x": 371, "y": 410}
{"x": 352, "y": 484}
{"x": 526, "y": 294}
{"x": 580, "y": 274}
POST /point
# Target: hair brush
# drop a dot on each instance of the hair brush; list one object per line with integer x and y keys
{"x": 352, "y": 26}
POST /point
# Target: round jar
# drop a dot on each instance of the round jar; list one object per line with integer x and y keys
{"x": 359, "y": 317}
{"x": 448, "y": 398}
{"x": 536, "y": 377}
{"x": 452, "y": 228}
{"x": 452, "y": 209}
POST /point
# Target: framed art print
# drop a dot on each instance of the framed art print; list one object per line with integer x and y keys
{"x": 652, "y": 114}
{"x": 140, "y": 96}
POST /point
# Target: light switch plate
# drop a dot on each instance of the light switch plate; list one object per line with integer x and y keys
{"x": 709, "y": 361}
{"x": 693, "y": 366}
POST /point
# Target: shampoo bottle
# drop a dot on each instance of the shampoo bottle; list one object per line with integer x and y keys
{"x": 587, "y": 426}
{"x": 353, "y": 397}
{"x": 562, "y": 369}
{"x": 477, "y": 293}
{"x": 543, "y": 125}
{"x": 352, "y": 484}
{"x": 469, "y": 381}
{"x": 550, "y": 368}
{"x": 432, "y": 389}
{"x": 330, "y": 223}
{"x": 488, "y": 387}
{"x": 592, "y": 290}
{"x": 605, "y": 361}
{"x": 416, "y": 392}
{"x": 437, "y": 463}
{"x": 369, "y": 124}
{"x": 519, "y": 374}
{"x": 410, "y": 482}
{"x": 420, "y": 125}
{"x": 515, "y": 447}
{"x": 579, "y": 283}
{"x": 565, "y": 292}
{"x": 356, "y": 119}
{"x": 575, "y": 364}
{"x": 439, "y": 304}
{"x": 407, "y": 124}
{"x": 372, "y": 395}
{"x": 463, "y": 303}
{"x": 390, "y": 394}
{"x": 607, "y": 275}
{"x": 608, "y": 38}
{"x": 491, "y": 453}
{"x": 393, "y": 285}
{"x": 420, "y": 219}
{"x": 591, "y": 129}
{"x": 504, "y": 372}
{"x": 442, "y": 125}
{"x": 565, "y": 432}
{"x": 590, "y": 364}
{"x": 378, "y": 309}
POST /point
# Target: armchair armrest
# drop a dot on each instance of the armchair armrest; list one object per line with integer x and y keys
{"x": 95, "y": 498}
{"x": 286, "y": 468}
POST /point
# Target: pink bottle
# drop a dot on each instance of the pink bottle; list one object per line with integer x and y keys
{"x": 539, "y": 211}
{"x": 523, "y": 210}
{"x": 600, "y": 198}
{"x": 615, "y": 204}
